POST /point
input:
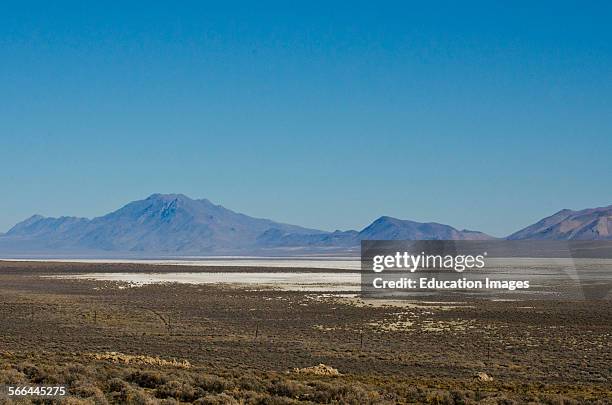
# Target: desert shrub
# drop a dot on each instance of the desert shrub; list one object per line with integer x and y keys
{"x": 460, "y": 397}
{"x": 557, "y": 399}
{"x": 64, "y": 377}
{"x": 216, "y": 399}
{"x": 77, "y": 368}
{"x": 251, "y": 383}
{"x": 77, "y": 372}
{"x": 168, "y": 401}
{"x": 147, "y": 379}
{"x": 357, "y": 395}
{"x": 34, "y": 373}
{"x": 412, "y": 394}
{"x": 506, "y": 401}
{"x": 12, "y": 376}
{"x": 89, "y": 391}
{"x": 287, "y": 388}
{"x": 73, "y": 401}
{"x": 112, "y": 372}
{"x": 323, "y": 392}
{"x": 492, "y": 401}
{"x": 117, "y": 385}
{"x": 346, "y": 394}
{"x": 178, "y": 390}
{"x": 134, "y": 396}
{"x": 440, "y": 398}
{"x": 252, "y": 397}
{"x": 212, "y": 383}
{"x": 271, "y": 400}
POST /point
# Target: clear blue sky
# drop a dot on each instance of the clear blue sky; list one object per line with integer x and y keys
{"x": 326, "y": 115}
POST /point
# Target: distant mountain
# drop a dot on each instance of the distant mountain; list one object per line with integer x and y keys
{"x": 39, "y": 227}
{"x": 336, "y": 239}
{"x": 588, "y": 224}
{"x": 171, "y": 223}
{"x": 384, "y": 228}
{"x": 388, "y": 228}
{"x": 174, "y": 224}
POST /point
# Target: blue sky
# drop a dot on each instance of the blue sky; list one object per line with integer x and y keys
{"x": 325, "y": 115}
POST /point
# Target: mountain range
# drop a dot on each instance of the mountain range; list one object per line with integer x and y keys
{"x": 587, "y": 224}
{"x": 174, "y": 224}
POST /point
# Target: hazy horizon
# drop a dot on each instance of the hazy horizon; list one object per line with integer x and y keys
{"x": 323, "y": 229}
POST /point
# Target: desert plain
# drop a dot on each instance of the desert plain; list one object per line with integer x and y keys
{"x": 114, "y": 341}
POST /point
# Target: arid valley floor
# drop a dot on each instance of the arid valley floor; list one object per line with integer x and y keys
{"x": 217, "y": 344}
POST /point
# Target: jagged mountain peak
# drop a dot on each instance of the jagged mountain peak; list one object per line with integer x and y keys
{"x": 34, "y": 218}
{"x": 167, "y": 196}
{"x": 170, "y": 197}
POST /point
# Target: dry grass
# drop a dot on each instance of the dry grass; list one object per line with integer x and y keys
{"x": 139, "y": 359}
{"x": 320, "y": 369}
